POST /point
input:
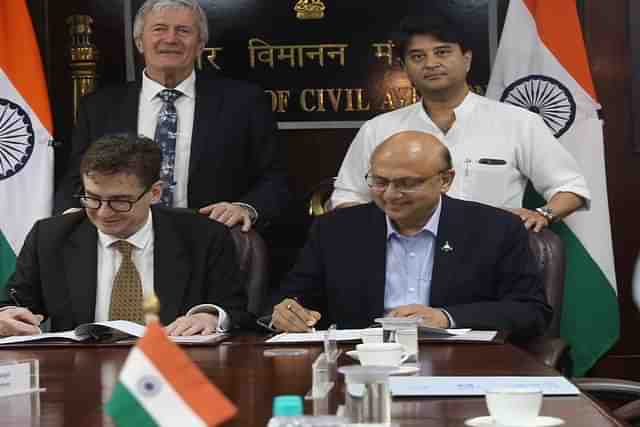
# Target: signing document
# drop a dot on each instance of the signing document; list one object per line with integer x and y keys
{"x": 356, "y": 334}
{"x": 101, "y": 330}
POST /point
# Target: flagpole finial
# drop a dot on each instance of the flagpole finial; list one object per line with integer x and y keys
{"x": 151, "y": 309}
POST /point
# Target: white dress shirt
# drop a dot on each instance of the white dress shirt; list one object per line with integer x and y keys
{"x": 148, "y": 108}
{"x": 109, "y": 260}
{"x": 517, "y": 141}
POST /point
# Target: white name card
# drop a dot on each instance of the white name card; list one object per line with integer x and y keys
{"x": 19, "y": 377}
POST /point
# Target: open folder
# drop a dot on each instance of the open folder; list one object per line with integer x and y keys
{"x": 111, "y": 331}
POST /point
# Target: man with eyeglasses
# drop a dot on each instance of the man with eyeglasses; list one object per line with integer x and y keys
{"x": 415, "y": 252}
{"x": 103, "y": 262}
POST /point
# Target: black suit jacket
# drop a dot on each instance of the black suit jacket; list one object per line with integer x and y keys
{"x": 194, "y": 263}
{"x": 488, "y": 281}
{"x": 234, "y": 153}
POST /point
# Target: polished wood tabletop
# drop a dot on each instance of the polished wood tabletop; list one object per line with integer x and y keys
{"x": 79, "y": 380}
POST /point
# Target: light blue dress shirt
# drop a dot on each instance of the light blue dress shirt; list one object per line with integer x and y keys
{"x": 410, "y": 264}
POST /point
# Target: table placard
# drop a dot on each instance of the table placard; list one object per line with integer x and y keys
{"x": 19, "y": 377}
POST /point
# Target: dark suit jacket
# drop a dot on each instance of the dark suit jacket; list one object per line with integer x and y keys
{"x": 194, "y": 263}
{"x": 488, "y": 281}
{"x": 234, "y": 154}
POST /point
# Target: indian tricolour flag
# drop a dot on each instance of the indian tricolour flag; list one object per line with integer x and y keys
{"x": 542, "y": 65}
{"x": 26, "y": 157}
{"x": 160, "y": 386}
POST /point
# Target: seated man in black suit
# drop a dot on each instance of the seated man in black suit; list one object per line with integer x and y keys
{"x": 415, "y": 252}
{"x": 101, "y": 263}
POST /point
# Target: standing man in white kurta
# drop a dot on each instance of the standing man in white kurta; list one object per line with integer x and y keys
{"x": 496, "y": 148}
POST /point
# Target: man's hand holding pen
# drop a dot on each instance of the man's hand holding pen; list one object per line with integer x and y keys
{"x": 18, "y": 320}
{"x": 290, "y": 316}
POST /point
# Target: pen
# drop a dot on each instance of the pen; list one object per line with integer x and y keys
{"x": 13, "y": 295}
{"x": 492, "y": 162}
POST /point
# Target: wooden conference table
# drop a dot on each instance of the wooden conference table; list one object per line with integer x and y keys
{"x": 79, "y": 380}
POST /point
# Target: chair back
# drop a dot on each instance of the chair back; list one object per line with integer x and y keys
{"x": 320, "y": 197}
{"x": 548, "y": 249}
{"x": 251, "y": 251}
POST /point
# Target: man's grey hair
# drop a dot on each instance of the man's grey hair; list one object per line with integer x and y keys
{"x": 153, "y": 5}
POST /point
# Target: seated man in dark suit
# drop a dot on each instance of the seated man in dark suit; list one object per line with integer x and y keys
{"x": 101, "y": 263}
{"x": 415, "y": 252}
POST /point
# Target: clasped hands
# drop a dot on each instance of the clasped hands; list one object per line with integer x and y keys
{"x": 290, "y": 316}
{"x": 21, "y": 321}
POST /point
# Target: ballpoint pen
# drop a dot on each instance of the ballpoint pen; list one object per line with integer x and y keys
{"x": 13, "y": 295}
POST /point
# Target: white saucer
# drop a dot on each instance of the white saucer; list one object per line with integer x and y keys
{"x": 405, "y": 370}
{"x": 402, "y": 370}
{"x": 539, "y": 422}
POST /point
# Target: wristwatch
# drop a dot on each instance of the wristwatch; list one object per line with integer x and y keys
{"x": 546, "y": 212}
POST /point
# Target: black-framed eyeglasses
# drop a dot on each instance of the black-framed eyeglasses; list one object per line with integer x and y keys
{"x": 115, "y": 205}
{"x": 407, "y": 184}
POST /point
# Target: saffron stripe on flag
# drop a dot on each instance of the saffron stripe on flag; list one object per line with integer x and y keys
{"x": 188, "y": 381}
{"x": 20, "y": 59}
{"x": 553, "y": 25}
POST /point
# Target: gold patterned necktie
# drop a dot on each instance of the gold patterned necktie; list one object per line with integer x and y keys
{"x": 126, "y": 295}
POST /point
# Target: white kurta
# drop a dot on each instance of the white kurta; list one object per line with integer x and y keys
{"x": 495, "y": 147}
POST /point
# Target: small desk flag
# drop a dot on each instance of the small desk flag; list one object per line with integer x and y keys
{"x": 160, "y": 386}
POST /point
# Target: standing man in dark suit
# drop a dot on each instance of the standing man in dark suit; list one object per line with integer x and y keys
{"x": 415, "y": 252}
{"x": 218, "y": 135}
{"x": 101, "y": 263}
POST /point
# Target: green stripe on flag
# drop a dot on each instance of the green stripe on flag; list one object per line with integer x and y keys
{"x": 590, "y": 320}
{"x": 125, "y": 409}
{"x": 7, "y": 264}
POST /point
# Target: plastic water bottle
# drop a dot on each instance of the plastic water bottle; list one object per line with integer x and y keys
{"x": 287, "y": 412}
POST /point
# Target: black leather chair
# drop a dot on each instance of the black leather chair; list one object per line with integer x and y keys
{"x": 252, "y": 256}
{"x": 548, "y": 249}
{"x": 319, "y": 199}
{"x": 622, "y": 397}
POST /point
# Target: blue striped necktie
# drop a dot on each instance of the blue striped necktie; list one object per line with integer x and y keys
{"x": 166, "y": 134}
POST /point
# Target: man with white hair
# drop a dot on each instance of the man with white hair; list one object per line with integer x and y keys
{"x": 220, "y": 154}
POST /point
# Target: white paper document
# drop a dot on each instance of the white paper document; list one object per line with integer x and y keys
{"x": 317, "y": 336}
{"x": 84, "y": 332}
{"x": 66, "y": 335}
{"x": 480, "y": 336}
{"x": 477, "y": 386}
{"x": 355, "y": 334}
{"x": 428, "y": 331}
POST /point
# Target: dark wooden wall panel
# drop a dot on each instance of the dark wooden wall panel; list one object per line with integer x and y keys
{"x": 607, "y": 35}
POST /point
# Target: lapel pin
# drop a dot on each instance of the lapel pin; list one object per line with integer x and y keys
{"x": 446, "y": 248}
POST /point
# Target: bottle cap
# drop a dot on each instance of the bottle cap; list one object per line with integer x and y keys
{"x": 287, "y": 405}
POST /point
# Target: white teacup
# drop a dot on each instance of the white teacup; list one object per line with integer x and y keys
{"x": 382, "y": 354}
{"x": 371, "y": 335}
{"x": 510, "y": 407}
